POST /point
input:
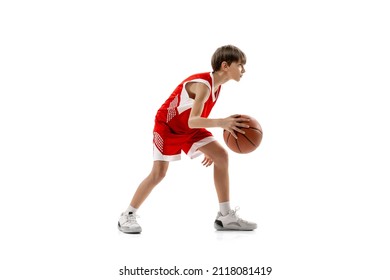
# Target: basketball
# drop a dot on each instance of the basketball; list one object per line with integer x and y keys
{"x": 248, "y": 142}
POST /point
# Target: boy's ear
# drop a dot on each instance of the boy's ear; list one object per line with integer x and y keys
{"x": 224, "y": 65}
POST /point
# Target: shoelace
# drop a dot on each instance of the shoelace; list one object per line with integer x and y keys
{"x": 234, "y": 213}
{"x": 132, "y": 218}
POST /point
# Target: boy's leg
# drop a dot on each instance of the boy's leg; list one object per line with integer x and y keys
{"x": 230, "y": 220}
{"x": 221, "y": 169}
{"x": 158, "y": 172}
{"x": 127, "y": 221}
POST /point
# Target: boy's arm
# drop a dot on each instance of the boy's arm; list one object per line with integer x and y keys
{"x": 202, "y": 93}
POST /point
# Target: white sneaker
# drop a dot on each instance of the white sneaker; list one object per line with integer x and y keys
{"x": 128, "y": 223}
{"x": 232, "y": 222}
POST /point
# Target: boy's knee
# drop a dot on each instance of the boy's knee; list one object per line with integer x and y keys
{"x": 221, "y": 157}
{"x": 158, "y": 174}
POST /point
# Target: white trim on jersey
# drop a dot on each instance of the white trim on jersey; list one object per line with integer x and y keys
{"x": 212, "y": 88}
{"x": 157, "y": 155}
{"x": 194, "y": 151}
{"x": 185, "y": 101}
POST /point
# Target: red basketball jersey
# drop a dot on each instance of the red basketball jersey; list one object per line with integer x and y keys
{"x": 176, "y": 109}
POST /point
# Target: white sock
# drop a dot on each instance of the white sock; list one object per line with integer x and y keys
{"x": 224, "y": 208}
{"x": 131, "y": 209}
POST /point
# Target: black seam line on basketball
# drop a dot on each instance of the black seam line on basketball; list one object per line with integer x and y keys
{"x": 227, "y": 139}
{"x": 249, "y": 140}
{"x": 254, "y": 128}
{"x": 238, "y": 146}
{"x": 235, "y": 141}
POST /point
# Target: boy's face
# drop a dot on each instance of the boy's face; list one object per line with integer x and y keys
{"x": 236, "y": 70}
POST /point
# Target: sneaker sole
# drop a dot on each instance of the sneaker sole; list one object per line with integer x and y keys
{"x": 221, "y": 228}
{"x": 128, "y": 232}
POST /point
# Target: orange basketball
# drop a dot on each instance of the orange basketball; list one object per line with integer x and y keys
{"x": 248, "y": 142}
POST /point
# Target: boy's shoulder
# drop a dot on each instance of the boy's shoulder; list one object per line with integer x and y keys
{"x": 204, "y": 76}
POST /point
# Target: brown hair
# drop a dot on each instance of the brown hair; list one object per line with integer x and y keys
{"x": 228, "y": 53}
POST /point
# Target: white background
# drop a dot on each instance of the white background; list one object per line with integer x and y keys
{"x": 80, "y": 82}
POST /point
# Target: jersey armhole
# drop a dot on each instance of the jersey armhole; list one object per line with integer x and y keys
{"x": 197, "y": 81}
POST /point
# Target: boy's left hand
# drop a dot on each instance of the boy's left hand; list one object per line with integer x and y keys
{"x": 207, "y": 161}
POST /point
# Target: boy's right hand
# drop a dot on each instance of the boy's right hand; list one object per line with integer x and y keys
{"x": 234, "y": 123}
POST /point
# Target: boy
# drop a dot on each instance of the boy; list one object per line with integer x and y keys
{"x": 180, "y": 125}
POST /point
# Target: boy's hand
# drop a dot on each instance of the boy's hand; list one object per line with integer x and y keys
{"x": 207, "y": 161}
{"x": 233, "y": 124}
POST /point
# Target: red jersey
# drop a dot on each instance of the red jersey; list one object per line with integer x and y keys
{"x": 176, "y": 109}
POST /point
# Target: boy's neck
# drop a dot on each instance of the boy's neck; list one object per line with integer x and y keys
{"x": 220, "y": 78}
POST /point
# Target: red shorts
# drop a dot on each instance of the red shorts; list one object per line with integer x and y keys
{"x": 167, "y": 146}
